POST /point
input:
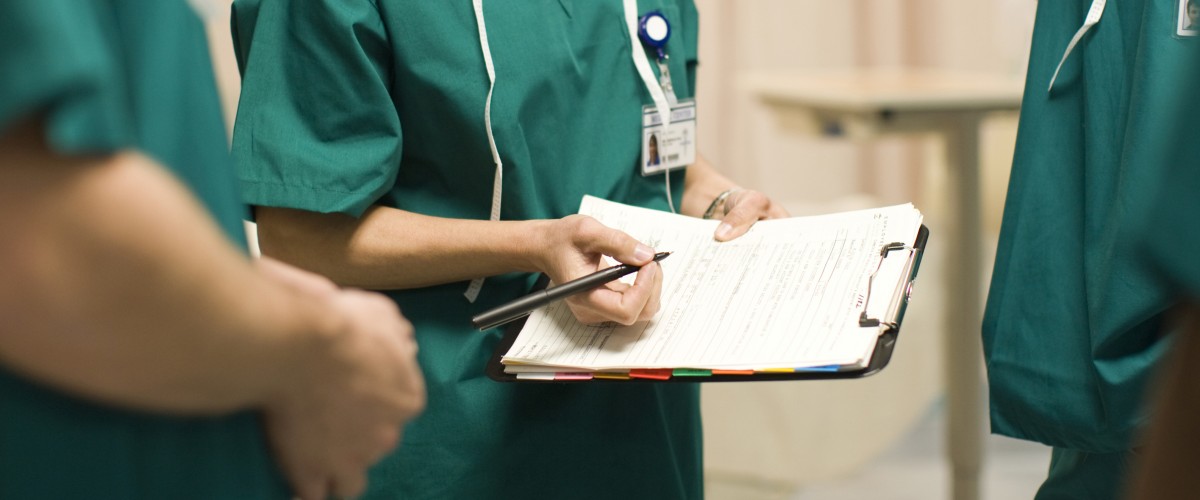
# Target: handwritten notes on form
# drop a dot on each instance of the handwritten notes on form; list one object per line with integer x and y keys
{"x": 787, "y": 295}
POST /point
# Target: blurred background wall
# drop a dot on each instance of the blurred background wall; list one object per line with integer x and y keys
{"x": 756, "y": 36}
{"x": 805, "y": 434}
{"x": 773, "y": 440}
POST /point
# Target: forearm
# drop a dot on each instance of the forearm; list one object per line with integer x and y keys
{"x": 389, "y": 248}
{"x": 701, "y": 186}
{"x": 118, "y": 287}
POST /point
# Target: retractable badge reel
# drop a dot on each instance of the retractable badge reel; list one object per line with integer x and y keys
{"x": 673, "y": 145}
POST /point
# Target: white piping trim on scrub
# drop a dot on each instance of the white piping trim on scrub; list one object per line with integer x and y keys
{"x": 642, "y": 63}
{"x": 498, "y": 184}
{"x": 1092, "y": 18}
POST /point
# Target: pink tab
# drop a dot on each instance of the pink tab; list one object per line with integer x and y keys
{"x": 572, "y": 376}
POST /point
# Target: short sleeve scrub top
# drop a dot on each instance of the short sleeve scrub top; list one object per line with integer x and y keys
{"x": 350, "y": 103}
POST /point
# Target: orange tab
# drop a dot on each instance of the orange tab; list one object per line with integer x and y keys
{"x": 655, "y": 373}
{"x": 733, "y": 372}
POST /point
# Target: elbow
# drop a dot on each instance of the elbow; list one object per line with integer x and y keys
{"x": 308, "y": 240}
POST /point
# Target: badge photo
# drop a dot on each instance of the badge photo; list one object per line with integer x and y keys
{"x": 1187, "y": 22}
{"x": 669, "y": 148}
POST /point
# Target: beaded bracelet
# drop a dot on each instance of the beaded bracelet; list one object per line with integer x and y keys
{"x": 718, "y": 202}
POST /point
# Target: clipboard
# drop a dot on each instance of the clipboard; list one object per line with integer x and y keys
{"x": 880, "y": 357}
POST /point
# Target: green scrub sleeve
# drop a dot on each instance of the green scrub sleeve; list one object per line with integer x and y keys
{"x": 57, "y": 64}
{"x": 316, "y": 126}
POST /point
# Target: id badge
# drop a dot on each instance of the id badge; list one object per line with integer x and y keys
{"x": 674, "y": 147}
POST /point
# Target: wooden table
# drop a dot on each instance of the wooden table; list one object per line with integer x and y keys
{"x": 864, "y": 104}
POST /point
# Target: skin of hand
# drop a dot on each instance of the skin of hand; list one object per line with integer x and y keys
{"x": 574, "y": 247}
{"x": 743, "y": 208}
{"x": 344, "y": 410}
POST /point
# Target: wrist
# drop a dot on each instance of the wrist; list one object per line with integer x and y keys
{"x": 719, "y": 203}
{"x": 535, "y": 238}
{"x": 308, "y": 328}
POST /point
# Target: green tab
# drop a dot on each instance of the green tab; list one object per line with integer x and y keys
{"x": 691, "y": 372}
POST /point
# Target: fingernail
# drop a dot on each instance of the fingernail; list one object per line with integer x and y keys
{"x": 643, "y": 253}
{"x": 723, "y": 230}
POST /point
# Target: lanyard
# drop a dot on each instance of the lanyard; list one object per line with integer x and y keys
{"x": 1092, "y": 18}
{"x": 662, "y": 91}
{"x": 642, "y": 63}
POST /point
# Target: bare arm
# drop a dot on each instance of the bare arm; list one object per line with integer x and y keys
{"x": 117, "y": 287}
{"x": 389, "y": 248}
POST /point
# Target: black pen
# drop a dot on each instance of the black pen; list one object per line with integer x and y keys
{"x": 523, "y": 306}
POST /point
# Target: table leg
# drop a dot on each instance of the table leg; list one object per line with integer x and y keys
{"x": 964, "y": 353}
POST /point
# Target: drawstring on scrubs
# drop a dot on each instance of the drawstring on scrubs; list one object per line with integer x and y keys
{"x": 1093, "y": 17}
{"x": 498, "y": 184}
{"x": 640, "y": 61}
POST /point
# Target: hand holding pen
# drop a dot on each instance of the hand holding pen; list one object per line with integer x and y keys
{"x": 523, "y": 306}
{"x": 574, "y": 246}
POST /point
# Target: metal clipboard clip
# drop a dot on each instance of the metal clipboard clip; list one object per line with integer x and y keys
{"x": 866, "y": 321}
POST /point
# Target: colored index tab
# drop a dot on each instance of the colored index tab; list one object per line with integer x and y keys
{"x": 826, "y": 368}
{"x": 655, "y": 374}
{"x": 572, "y": 376}
{"x": 611, "y": 375}
{"x": 733, "y": 372}
{"x": 691, "y": 372}
{"x": 777, "y": 370}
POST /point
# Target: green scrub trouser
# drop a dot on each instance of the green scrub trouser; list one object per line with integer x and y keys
{"x": 1077, "y": 475}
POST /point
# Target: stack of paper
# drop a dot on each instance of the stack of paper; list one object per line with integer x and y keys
{"x": 786, "y": 296}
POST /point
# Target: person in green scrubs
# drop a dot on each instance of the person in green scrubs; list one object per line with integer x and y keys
{"x": 142, "y": 354}
{"x": 1074, "y": 324}
{"x": 362, "y": 139}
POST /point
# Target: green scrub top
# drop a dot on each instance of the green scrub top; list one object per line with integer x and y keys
{"x": 105, "y": 76}
{"x": 1074, "y": 321}
{"x": 1171, "y": 238}
{"x": 349, "y": 103}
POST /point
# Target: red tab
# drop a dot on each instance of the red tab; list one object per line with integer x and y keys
{"x": 656, "y": 373}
